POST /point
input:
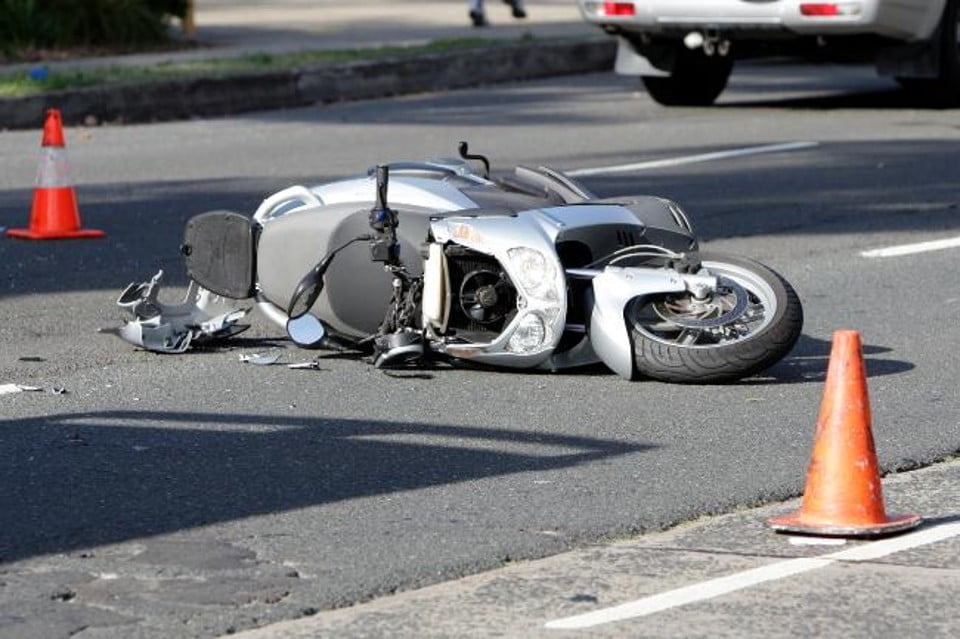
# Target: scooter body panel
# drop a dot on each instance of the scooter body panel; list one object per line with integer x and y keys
{"x": 613, "y": 290}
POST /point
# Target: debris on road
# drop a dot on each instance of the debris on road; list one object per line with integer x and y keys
{"x": 8, "y": 389}
{"x": 269, "y": 359}
{"x": 260, "y": 359}
{"x": 313, "y": 366}
{"x": 76, "y": 439}
{"x": 172, "y": 328}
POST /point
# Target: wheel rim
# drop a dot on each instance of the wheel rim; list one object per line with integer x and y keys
{"x": 743, "y": 308}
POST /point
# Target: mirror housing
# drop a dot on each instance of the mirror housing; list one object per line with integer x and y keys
{"x": 307, "y": 291}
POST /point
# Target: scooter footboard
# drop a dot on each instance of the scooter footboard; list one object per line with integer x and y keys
{"x": 219, "y": 249}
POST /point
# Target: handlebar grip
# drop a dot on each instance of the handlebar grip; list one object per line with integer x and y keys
{"x": 383, "y": 180}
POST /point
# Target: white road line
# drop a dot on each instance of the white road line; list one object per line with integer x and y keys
{"x": 910, "y": 249}
{"x": 738, "y": 581}
{"x": 817, "y": 541}
{"x": 693, "y": 159}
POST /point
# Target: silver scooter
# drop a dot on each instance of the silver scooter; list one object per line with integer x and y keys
{"x": 422, "y": 260}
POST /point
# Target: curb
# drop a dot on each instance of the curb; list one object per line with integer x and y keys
{"x": 211, "y": 96}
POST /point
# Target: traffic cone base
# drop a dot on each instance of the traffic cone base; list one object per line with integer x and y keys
{"x": 54, "y": 217}
{"x": 798, "y": 524}
{"x": 843, "y": 494}
{"x": 29, "y": 234}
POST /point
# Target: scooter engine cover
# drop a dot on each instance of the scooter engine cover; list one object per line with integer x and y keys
{"x": 219, "y": 251}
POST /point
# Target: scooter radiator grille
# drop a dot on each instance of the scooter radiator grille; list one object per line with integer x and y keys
{"x": 484, "y": 297}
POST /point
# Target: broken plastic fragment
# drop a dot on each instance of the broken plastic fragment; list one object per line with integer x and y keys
{"x": 261, "y": 359}
{"x": 7, "y": 389}
{"x": 166, "y": 339}
{"x": 173, "y": 328}
{"x": 222, "y": 322}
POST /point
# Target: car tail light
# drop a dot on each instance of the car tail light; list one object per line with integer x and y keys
{"x": 830, "y": 9}
{"x": 619, "y": 9}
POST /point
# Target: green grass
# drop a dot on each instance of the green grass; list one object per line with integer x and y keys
{"x": 21, "y": 84}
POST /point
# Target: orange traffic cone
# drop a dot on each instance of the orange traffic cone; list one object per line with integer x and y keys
{"x": 54, "y": 214}
{"x": 843, "y": 496}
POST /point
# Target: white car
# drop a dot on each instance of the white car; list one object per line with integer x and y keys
{"x": 684, "y": 50}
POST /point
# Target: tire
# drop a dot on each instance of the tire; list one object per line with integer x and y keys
{"x": 742, "y": 341}
{"x": 696, "y": 80}
{"x": 943, "y": 90}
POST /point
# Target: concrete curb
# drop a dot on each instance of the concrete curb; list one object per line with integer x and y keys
{"x": 211, "y": 96}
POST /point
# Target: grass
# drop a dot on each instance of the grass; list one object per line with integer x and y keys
{"x": 41, "y": 79}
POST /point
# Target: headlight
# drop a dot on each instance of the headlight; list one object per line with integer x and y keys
{"x": 529, "y": 335}
{"x": 534, "y": 272}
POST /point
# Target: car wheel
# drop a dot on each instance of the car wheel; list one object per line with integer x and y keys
{"x": 943, "y": 90}
{"x": 697, "y": 79}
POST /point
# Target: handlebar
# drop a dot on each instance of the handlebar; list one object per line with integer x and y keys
{"x": 414, "y": 167}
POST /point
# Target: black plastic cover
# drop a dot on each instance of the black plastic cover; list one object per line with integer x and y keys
{"x": 219, "y": 249}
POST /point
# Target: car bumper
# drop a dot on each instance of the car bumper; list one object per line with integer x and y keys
{"x": 901, "y": 20}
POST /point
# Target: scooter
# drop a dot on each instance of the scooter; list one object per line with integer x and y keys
{"x": 416, "y": 261}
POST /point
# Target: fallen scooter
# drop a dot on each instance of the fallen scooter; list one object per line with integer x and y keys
{"x": 416, "y": 261}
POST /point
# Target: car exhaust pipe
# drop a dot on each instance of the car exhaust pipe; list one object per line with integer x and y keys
{"x": 711, "y": 43}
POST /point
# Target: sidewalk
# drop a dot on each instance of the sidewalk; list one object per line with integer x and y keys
{"x": 284, "y": 25}
{"x": 231, "y": 28}
{"x": 552, "y": 40}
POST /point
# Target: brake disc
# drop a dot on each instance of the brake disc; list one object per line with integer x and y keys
{"x": 688, "y": 312}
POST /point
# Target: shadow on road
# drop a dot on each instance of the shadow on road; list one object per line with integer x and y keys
{"x": 808, "y": 361}
{"x": 879, "y": 100}
{"x": 754, "y": 85}
{"x": 78, "y": 480}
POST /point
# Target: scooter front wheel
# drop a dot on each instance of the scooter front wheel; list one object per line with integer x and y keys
{"x": 749, "y": 323}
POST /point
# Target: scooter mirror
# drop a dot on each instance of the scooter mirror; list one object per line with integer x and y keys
{"x": 307, "y": 292}
{"x": 306, "y": 331}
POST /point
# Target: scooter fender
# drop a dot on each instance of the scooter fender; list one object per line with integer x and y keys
{"x": 612, "y": 291}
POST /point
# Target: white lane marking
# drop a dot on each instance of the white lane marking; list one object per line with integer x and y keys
{"x": 910, "y": 249}
{"x": 738, "y": 581}
{"x": 690, "y": 594}
{"x": 693, "y": 159}
{"x": 817, "y": 541}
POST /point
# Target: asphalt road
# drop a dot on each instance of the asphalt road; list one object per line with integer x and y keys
{"x": 194, "y": 495}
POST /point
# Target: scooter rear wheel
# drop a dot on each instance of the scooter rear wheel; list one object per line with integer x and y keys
{"x": 752, "y": 322}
